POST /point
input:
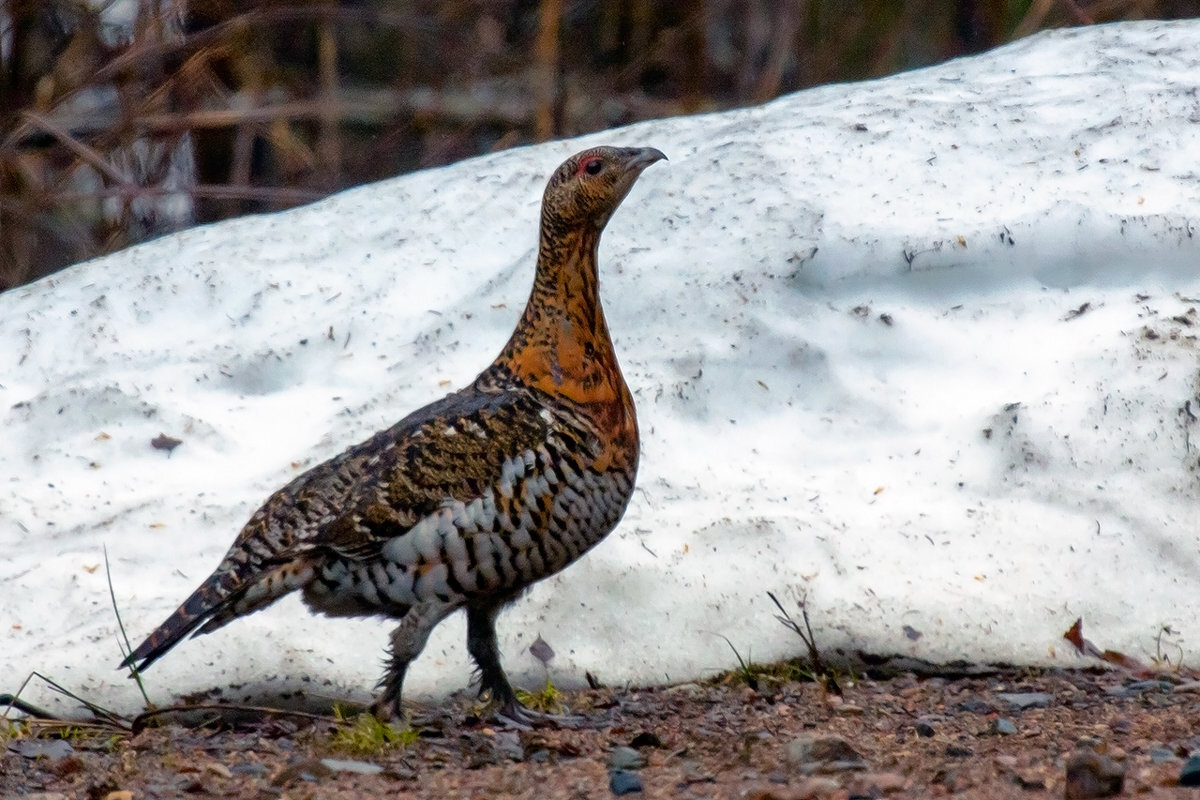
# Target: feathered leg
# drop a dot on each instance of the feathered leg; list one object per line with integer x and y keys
{"x": 482, "y": 645}
{"x": 408, "y": 640}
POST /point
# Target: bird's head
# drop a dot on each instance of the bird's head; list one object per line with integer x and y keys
{"x": 589, "y": 186}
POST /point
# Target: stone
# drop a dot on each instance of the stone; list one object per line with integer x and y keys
{"x": 1090, "y": 774}
{"x": 50, "y": 749}
{"x": 1189, "y": 775}
{"x": 875, "y": 784}
{"x": 1003, "y": 726}
{"x": 625, "y": 758}
{"x": 807, "y": 750}
{"x": 1023, "y": 700}
{"x": 621, "y": 782}
{"x": 346, "y": 765}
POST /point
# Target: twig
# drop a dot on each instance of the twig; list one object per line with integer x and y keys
{"x": 821, "y": 672}
{"x": 142, "y": 720}
{"x": 88, "y": 154}
{"x": 123, "y": 643}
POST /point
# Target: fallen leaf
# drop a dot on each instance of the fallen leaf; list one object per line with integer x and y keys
{"x": 164, "y": 442}
{"x": 542, "y": 651}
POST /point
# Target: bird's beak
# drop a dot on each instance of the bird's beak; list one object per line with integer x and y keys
{"x": 639, "y": 159}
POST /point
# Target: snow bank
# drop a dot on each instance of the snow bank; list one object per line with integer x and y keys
{"x": 923, "y": 348}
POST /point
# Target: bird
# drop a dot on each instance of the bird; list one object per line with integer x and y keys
{"x": 468, "y": 501}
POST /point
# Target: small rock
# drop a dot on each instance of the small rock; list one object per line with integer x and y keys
{"x": 123, "y": 794}
{"x": 1150, "y": 686}
{"x": 1030, "y": 781}
{"x": 311, "y": 771}
{"x": 977, "y": 705}
{"x": 1140, "y": 687}
{"x": 1004, "y": 727}
{"x": 875, "y": 784}
{"x": 809, "y": 754}
{"x": 218, "y": 769}
{"x": 252, "y": 769}
{"x": 50, "y": 749}
{"x": 1026, "y": 699}
{"x": 1120, "y": 725}
{"x": 507, "y": 744}
{"x": 1161, "y": 755}
{"x": 346, "y": 765}
{"x": 1090, "y": 774}
{"x": 924, "y": 728}
{"x": 958, "y": 751}
{"x": 1006, "y": 761}
{"x": 624, "y": 782}
{"x": 625, "y": 758}
{"x": 1190, "y": 774}
{"x": 694, "y": 772}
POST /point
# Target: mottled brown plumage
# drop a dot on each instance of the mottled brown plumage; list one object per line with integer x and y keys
{"x": 471, "y": 499}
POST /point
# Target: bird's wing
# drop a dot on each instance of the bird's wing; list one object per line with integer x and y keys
{"x": 450, "y": 449}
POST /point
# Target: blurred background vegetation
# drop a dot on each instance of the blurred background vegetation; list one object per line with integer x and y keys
{"x": 121, "y": 120}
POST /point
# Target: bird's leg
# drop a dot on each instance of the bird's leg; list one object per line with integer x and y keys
{"x": 482, "y": 645}
{"x": 408, "y": 640}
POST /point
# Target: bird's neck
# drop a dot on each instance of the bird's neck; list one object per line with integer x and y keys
{"x": 561, "y": 344}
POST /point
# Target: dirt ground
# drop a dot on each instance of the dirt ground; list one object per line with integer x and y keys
{"x": 1006, "y": 734}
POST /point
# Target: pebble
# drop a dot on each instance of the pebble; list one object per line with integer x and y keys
{"x": 624, "y": 782}
{"x": 346, "y": 765}
{"x": 1190, "y": 774}
{"x": 625, "y": 758}
{"x": 508, "y": 745}
{"x": 1004, "y": 727}
{"x": 1161, "y": 755}
{"x": 694, "y": 772}
{"x": 1026, "y": 699}
{"x": 50, "y": 749}
{"x": 924, "y": 728}
{"x": 253, "y": 769}
{"x": 1140, "y": 687}
{"x": 1090, "y": 774}
{"x": 808, "y": 753}
{"x": 958, "y": 751}
{"x": 810, "y": 788}
{"x": 977, "y": 705}
{"x": 875, "y": 784}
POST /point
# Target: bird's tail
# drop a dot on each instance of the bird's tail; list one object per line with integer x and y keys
{"x": 225, "y": 596}
{"x": 206, "y": 601}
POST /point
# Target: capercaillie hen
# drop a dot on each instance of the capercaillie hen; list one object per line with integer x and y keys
{"x": 468, "y": 501}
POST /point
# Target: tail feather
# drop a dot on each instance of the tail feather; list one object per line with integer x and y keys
{"x": 219, "y": 600}
{"x": 194, "y": 612}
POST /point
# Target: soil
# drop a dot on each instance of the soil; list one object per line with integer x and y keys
{"x": 1006, "y": 734}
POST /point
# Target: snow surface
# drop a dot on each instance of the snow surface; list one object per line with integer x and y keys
{"x": 923, "y": 348}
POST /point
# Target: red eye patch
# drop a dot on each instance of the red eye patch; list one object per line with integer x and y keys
{"x": 591, "y": 166}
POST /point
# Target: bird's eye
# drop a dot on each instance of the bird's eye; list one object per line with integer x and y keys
{"x": 593, "y": 166}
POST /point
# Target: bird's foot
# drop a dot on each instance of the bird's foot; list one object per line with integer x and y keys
{"x": 514, "y": 715}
